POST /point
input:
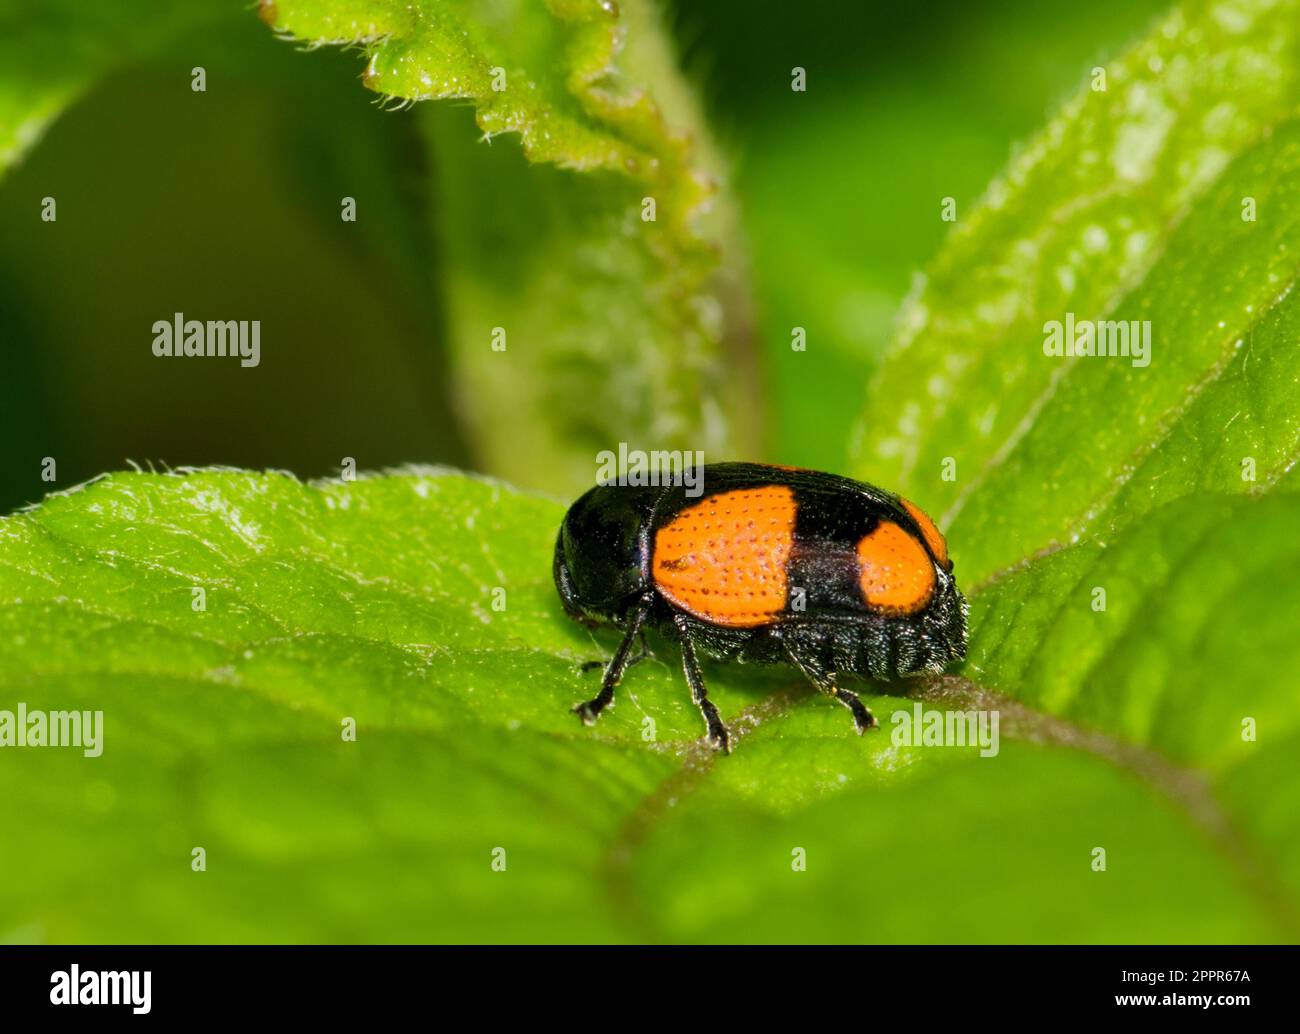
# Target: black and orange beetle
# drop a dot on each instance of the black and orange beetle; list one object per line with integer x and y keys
{"x": 771, "y": 565}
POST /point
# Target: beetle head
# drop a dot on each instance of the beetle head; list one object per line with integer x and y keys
{"x": 599, "y": 553}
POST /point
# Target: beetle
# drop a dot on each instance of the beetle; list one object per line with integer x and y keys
{"x": 764, "y": 564}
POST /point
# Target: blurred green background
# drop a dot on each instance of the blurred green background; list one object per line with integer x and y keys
{"x": 226, "y": 205}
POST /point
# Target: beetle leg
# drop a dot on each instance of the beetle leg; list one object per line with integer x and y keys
{"x": 635, "y": 659}
{"x": 717, "y": 731}
{"x": 590, "y": 710}
{"x": 824, "y": 679}
{"x": 863, "y": 719}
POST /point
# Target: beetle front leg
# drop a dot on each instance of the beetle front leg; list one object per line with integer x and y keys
{"x": 590, "y": 710}
{"x": 632, "y": 661}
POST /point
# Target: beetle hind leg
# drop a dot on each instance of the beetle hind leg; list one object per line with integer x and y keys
{"x": 822, "y": 675}
{"x": 863, "y": 719}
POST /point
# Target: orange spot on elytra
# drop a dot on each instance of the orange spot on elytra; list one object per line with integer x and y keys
{"x": 705, "y": 566}
{"x": 932, "y": 537}
{"x": 895, "y": 572}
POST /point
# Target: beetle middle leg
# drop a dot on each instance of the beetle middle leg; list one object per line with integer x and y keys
{"x": 821, "y": 676}
{"x": 590, "y": 710}
{"x": 717, "y": 733}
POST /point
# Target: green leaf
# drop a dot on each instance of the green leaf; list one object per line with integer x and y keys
{"x": 1128, "y": 206}
{"x": 615, "y": 328}
{"x": 1188, "y": 661}
{"x": 374, "y": 600}
{"x": 369, "y": 600}
{"x": 1194, "y": 632}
